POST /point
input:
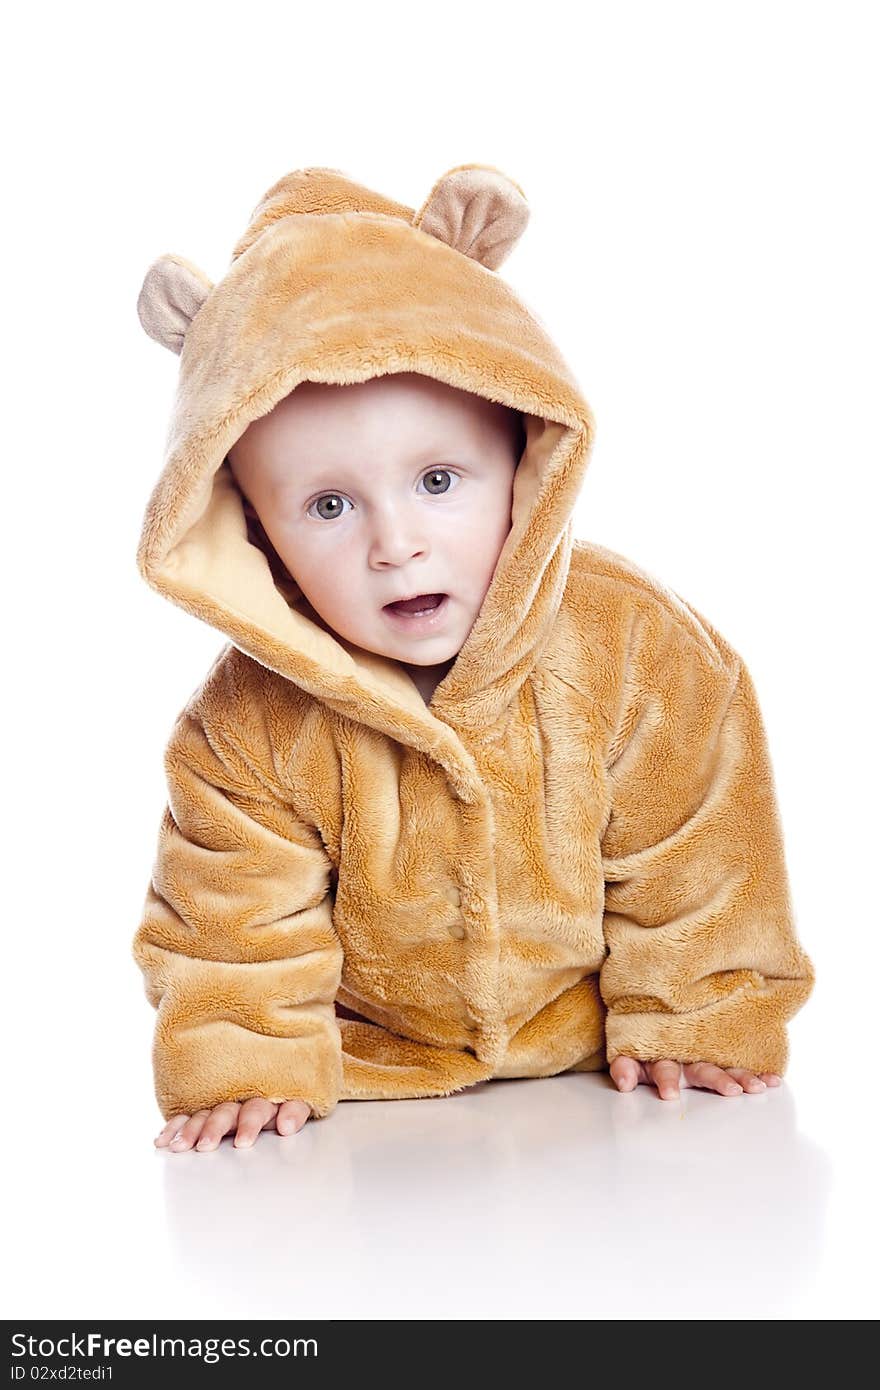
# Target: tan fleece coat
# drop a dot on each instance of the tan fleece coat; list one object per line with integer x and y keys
{"x": 572, "y": 851}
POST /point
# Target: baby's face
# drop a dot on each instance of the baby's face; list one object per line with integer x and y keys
{"x": 384, "y": 489}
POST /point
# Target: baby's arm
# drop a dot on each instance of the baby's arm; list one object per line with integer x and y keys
{"x": 236, "y": 943}
{"x": 703, "y": 963}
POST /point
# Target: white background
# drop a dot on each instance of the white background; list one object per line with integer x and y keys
{"x": 703, "y": 248}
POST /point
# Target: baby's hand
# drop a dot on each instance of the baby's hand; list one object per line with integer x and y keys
{"x": 206, "y": 1128}
{"x": 667, "y": 1075}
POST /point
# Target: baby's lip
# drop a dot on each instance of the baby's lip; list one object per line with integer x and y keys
{"x": 421, "y": 593}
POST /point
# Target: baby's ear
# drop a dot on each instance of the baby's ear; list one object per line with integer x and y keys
{"x": 172, "y": 294}
{"x": 477, "y": 210}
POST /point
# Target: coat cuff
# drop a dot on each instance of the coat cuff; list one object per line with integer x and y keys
{"x": 744, "y": 1030}
{"x": 196, "y": 1069}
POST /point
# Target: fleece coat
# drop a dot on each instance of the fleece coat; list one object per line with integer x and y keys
{"x": 573, "y": 850}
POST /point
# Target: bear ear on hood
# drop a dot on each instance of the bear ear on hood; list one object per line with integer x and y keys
{"x": 478, "y": 210}
{"x": 172, "y": 294}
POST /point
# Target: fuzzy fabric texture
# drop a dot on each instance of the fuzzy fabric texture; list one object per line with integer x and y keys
{"x": 572, "y": 851}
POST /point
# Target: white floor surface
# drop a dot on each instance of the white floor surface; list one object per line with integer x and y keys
{"x": 550, "y": 1198}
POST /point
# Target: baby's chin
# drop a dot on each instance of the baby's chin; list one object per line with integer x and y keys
{"x": 423, "y": 654}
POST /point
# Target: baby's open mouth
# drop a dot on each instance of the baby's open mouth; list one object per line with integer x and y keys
{"x": 422, "y": 603}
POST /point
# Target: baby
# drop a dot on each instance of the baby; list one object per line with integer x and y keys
{"x": 465, "y": 798}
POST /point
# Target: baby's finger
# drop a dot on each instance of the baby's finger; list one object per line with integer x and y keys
{"x": 666, "y": 1075}
{"x": 747, "y": 1079}
{"x": 171, "y": 1130}
{"x": 624, "y": 1072}
{"x": 187, "y": 1136}
{"x": 221, "y": 1120}
{"x": 291, "y": 1116}
{"x": 255, "y": 1114}
{"x": 713, "y": 1078}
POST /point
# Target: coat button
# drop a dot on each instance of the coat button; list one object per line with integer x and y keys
{"x": 452, "y": 895}
{"x": 457, "y": 930}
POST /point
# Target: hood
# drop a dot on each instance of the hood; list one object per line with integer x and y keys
{"x": 334, "y": 283}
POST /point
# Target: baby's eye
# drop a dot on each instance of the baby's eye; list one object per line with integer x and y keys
{"x": 332, "y": 512}
{"x": 438, "y": 481}
{"x": 436, "y": 476}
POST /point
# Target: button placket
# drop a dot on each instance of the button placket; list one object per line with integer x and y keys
{"x": 452, "y": 894}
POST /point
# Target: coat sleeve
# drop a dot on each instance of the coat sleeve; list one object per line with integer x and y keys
{"x": 236, "y": 944}
{"x": 702, "y": 957}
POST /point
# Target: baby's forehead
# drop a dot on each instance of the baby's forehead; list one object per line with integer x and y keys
{"x": 320, "y": 418}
